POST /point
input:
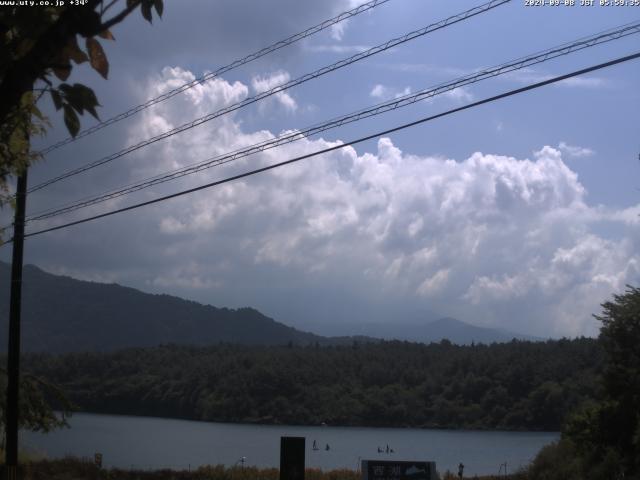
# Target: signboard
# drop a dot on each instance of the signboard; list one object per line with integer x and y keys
{"x": 398, "y": 470}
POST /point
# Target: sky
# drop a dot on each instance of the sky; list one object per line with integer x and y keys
{"x": 521, "y": 214}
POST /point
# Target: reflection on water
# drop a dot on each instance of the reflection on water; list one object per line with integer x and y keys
{"x": 149, "y": 443}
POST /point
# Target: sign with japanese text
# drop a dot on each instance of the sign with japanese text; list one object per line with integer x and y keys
{"x": 398, "y": 470}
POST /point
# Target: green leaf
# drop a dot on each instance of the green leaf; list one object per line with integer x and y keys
{"x": 62, "y": 71}
{"x": 25, "y": 45}
{"x": 145, "y": 8}
{"x": 97, "y": 57}
{"x": 65, "y": 88}
{"x": 87, "y": 98}
{"x": 71, "y": 120}
{"x": 81, "y": 98}
{"x": 71, "y": 98}
{"x": 159, "y": 6}
{"x": 72, "y": 50}
{"x": 107, "y": 35}
{"x": 35, "y": 111}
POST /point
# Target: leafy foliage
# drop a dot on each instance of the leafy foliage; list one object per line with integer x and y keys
{"x": 518, "y": 385}
{"x": 36, "y": 45}
{"x": 38, "y": 399}
{"x": 607, "y": 433}
{"x": 601, "y": 439}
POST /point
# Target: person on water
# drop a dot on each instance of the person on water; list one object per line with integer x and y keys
{"x": 327, "y": 447}
{"x": 315, "y": 445}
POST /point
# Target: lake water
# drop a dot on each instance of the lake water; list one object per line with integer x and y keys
{"x": 150, "y": 443}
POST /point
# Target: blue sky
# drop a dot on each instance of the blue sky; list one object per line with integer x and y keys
{"x": 521, "y": 214}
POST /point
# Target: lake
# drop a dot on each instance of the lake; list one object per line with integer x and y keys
{"x": 151, "y": 443}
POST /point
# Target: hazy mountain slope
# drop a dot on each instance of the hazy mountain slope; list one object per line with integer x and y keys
{"x": 63, "y": 314}
{"x": 464, "y": 333}
{"x": 430, "y": 330}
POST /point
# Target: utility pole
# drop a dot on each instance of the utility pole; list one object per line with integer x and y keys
{"x": 13, "y": 357}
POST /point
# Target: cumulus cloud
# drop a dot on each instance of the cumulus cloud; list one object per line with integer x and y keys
{"x": 492, "y": 239}
{"x": 264, "y": 83}
{"x": 460, "y": 94}
{"x": 530, "y": 75}
{"x": 338, "y": 29}
{"x": 440, "y": 70}
{"x": 584, "y": 82}
{"x": 338, "y": 48}
{"x": 575, "y": 151}
{"x": 383, "y": 92}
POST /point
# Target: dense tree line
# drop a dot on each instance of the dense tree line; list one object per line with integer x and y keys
{"x": 516, "y": 385}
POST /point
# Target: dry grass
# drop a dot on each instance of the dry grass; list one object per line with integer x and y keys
{"x": 72, "y": 468}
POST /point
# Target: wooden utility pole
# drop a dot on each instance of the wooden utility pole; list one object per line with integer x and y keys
{"x": 13, "y": 357}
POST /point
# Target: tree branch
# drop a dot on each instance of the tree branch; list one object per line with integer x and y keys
{"x": 118, "y": 18}
{"x": 113, "y": 2}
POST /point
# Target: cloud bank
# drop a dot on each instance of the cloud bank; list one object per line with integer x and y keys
{"x": 491, "y": 239}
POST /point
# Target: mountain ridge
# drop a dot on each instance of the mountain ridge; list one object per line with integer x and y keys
{"x": 63, "y": 314}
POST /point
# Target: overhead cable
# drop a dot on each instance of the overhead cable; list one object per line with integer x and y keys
{"x": 292, "y": 136}
{"x": 280, "y": 88}
{"x": 208, "y": 76}
{"x": 343, "y": 145}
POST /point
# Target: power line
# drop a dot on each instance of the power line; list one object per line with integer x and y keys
{"x": 280, "y": 88}
{"x": 336, "y": 147}
{"x": 507, "y": 67}
{"x": 204, "y": 78}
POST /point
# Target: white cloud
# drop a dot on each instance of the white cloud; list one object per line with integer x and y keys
{"x": 530, "y": 75}
{"x": 385, "y": 93}
{"x": 187, "y": 276}
{"x": 441, "y": 70}
{"x": 338, "y": 48}
{"x": 264, "y": 83}
{"x": 492, "y": 239}
{"x": 575, "y": 151}
{"x": 460, "y": 94}
{"x": 585, "y": 82}
{"x": 338, "y": 29}
{"x": 379, "y": 91}
{"x": 434, "y": 284}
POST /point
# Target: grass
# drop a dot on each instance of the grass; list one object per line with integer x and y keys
{"x": 72, "y": 468}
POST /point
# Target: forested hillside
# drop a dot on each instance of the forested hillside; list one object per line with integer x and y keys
{"x": 516, "y": 385}
{"x": 62, "y": 314}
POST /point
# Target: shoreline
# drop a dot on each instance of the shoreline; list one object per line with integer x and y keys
{"x": 354, "y": 425}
